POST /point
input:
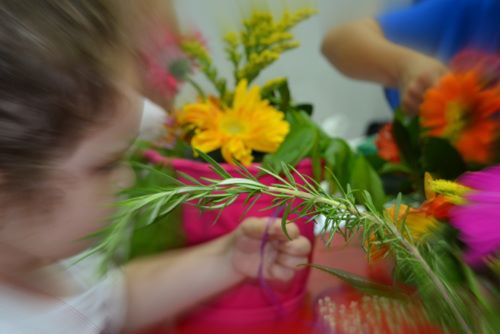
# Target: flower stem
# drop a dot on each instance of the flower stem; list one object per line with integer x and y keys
{"x": 307, "y": 196}
{"x": 437, "y": 282}
{"x": 197, "y": 87}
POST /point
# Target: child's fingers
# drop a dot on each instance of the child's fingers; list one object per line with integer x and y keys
{"x": 279, "y": 272}
{"x": 300, "y": 246}
{"x": 291, "y": 262}
{"x": 276, "y": 231}
{"x": 248, "y": 244}
{"x": 256, "y": 227}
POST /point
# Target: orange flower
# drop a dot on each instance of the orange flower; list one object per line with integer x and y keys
{"x": 414, "y": 224}
{"x": 386, "y": 145}
{"x": 436, "y": 205}
{"x": 461, "y": 110}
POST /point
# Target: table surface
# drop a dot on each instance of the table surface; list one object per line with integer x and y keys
{"x": 350, "y": 258}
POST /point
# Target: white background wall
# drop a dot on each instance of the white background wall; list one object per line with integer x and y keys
{"x": 343, "y": 106}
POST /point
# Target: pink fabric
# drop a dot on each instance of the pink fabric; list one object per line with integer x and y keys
{"x": 245, "y": 303}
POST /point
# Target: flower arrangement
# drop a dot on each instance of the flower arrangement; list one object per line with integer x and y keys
{"x": 244, "y": 123}
{"x": 248, "y": 121}
{"x": 445, "y": 243}
{"x": 443, "y": 236}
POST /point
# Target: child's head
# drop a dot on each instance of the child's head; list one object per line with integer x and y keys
{"x": 67, "y": 114}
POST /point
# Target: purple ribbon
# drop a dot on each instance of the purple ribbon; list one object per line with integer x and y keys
{"x": 268, "y": 292}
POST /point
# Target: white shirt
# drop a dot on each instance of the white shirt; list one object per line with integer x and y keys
{"x": 97, "y": 306}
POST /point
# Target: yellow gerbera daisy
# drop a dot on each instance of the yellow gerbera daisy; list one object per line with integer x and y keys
{"x": 250, "y": 124}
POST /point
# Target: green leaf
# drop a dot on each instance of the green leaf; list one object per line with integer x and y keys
{"x": 363, "y": 284}
{"x": 337, "y": 156}
{"x": 408, "y": 147}
{"x": 316, "y": 160}
{"x": 215, "y": 166}
{"x": 364, "y": 177}
{"x": 475, "y": 286}
{"x": 297, "y": 145}
{"x": 284, "y": 220}
{"x": 305, "y": 107}
{"x": 389, "y": 168}
{"x": 442, "y": 159}
{"x": 279, "y": 94}
{"x": 284, "y": 92}
{"x": 164, "y": 234}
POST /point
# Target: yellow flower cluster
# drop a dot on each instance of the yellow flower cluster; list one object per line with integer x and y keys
{"x": 291, "y": 20}
{"x": 263, "y": 41}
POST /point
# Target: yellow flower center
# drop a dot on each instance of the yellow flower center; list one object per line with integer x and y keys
{"x": 232, "y": 126}
{"x": 457, "y": 118}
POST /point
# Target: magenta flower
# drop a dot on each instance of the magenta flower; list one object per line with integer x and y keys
{"x": 479, "y": 219}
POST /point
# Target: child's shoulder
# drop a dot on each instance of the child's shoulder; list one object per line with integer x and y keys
{"x": 96, "y": 304}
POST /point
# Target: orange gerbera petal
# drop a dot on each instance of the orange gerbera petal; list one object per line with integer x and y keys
{"x": 438, "y": 207}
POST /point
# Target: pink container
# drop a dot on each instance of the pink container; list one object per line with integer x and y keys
{"x": 246, "y": 303}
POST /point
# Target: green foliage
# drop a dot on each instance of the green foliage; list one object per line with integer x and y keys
{"x": 363, "y": 176}
{"x": 407, "y": 136}
{"x": 441, "y": 159}
{"x": 449, "y": 291}
{"x": 153, "y": 232}
{"x": 364, "y": 285}
{"x": 338, "y": 156}
{"x": 447, "y": 300}
{"x": 164, "y": 233}
{"x": 297, "y": 145}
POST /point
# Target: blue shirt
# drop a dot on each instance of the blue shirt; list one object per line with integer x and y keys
{"x": 443, "y": 28}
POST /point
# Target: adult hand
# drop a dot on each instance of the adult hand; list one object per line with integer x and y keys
{"x": 418, "y": 74}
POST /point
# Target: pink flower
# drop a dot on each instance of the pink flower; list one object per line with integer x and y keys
{"x": 479, "y": 219}
{"x": 166, "y": 64}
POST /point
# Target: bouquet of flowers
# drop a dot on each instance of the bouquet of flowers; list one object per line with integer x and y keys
{"x": 239, "y": 125}
{"x": 445, "y": 240}
{"x": 239, "y": 122}
{"x": 442, "y": 232}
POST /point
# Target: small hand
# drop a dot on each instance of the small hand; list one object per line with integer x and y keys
{"x": 417, "y": 76}
{"x": 282, "y": 256}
